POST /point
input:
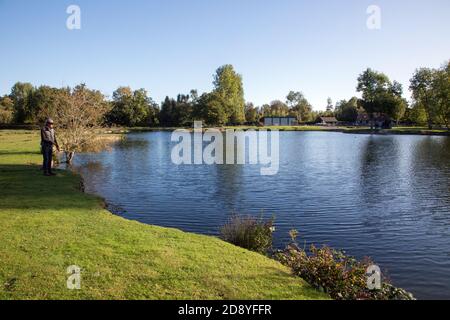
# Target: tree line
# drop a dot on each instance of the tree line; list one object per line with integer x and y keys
{"x": 225, "y": 104}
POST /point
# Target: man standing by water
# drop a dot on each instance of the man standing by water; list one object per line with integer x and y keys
{"x": 48, "y": 140}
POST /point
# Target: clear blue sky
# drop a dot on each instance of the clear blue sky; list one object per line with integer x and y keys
{"x": 171, "y": 46}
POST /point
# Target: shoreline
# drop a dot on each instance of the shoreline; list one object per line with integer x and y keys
{"x": 421, "y": 131}
{"x": 47, "y": 227}
{"x": 347, "y": 130}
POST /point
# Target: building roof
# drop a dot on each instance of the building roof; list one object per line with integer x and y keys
{"x": 328, "y": 119}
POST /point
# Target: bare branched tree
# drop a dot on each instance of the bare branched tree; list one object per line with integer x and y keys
{"x": 79, "y": 114}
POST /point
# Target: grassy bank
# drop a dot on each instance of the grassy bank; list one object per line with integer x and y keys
{"x": 47, "y": 224}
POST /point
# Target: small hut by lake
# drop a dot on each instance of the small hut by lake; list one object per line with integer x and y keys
{"x": 327, "y": 121}
{"x": 280, "y": 121}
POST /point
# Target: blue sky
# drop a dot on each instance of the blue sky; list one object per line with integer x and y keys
{"x": 171, "y": 46}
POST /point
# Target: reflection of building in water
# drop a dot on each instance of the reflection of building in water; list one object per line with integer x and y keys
{"x": 280, "y": 121}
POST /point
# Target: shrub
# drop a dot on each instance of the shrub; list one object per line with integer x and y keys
{"x": 249, "y": 232}
{"x": 6, "y": 116}
{"x": 341, "y": 276}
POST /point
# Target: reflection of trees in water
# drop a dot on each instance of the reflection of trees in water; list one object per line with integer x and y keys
{"x": 431, "y": 178}
{"x": 127, "y": 144}
{"x": 229, "y": 178}
{"x": 379, "y": 169}
{"x": 434, "y": 152}
{"x": 93, "y": 166}
{"x": 131, "y": 154}
{"x": 406, "y": 177}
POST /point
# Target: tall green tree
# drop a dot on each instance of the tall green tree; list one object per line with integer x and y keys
{"x": 21, "y": 94}
{"x": 6, "y": 110}
{"x": 131, "y": 108}
{"x": 184, "y": 110}
{"x": 180, "y": 112}
{"x": 167, "y": 114}
{"x": 251, "y": 113}
{"x": 399, "y": 110}
{"x": 141, "y": 108}
{"x": 279, "y": 109}
{"x": 330, "y": 107}
{"x": 422, "y": 92}
{"x": 209, "y": 108}
{"x": 299, "y": 106}
{"x": 229, "y": 94}
{"x": 122, "y": 101}
{"x": 415, "y": 115}
{"x": 45, "y": 101}
{"x": 379, "y": 94}
{"x": 347, "y": 111}
{"x": 441, "y": 94}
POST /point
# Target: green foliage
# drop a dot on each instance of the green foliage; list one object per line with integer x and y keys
{"x": 229, "y": 94}
{"x": 21, "y": 95}
{"x": 380, "y": 95}
{"x": 399, "y": 110}
{"x": 6, "y": 103}
{"x": 6, "y": 110}
{"x": 276, "y": 108}
{"x": 441, "y": 93}
{"x": 166, "y": 116}
{"x": 249, "y": 232}
{"x": 177, "y": 112}
{"x": 251, "y": 114}
{"x": 209, "y": 109}
{"x": 332, "y": 271}
{"x": 431, "y": 93}
{"x": 225, "y": 105}
{"x": 347, "y": 111}
{"x": 299, "y": 106}
{"x": 132, "y": 108}
{"x": 415, "y": 115}
{"x": 422, "y": 93}
{"x": 46, "y": 101}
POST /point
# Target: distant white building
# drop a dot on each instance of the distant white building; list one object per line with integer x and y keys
{"x": 280, "y": 121}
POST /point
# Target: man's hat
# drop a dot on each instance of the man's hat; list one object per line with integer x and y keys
{"x": 49, "y": 121}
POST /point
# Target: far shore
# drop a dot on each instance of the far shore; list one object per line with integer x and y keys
{"x": 348, "y": 130}
{"x": 401, "y": 130}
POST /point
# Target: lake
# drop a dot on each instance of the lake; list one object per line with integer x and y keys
{"x": 386, "y": 197}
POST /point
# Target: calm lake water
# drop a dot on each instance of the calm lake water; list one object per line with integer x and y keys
{"x": 386, "y": 197}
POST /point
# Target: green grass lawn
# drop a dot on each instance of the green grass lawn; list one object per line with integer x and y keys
{"x": 47, "y": 224}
